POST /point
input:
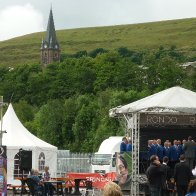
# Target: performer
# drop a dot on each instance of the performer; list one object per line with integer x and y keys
{"x": 166, "y": 149}
{"x": 123, "y": 145}
{"x": 159, "y": 150}
{"x": 174, "y": 154}
{"x": 151, "y": 149}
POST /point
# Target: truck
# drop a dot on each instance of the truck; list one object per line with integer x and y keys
{"x": 104, "y": 160}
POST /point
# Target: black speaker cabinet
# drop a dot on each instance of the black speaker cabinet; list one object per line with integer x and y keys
{"x": 25, "y": 162}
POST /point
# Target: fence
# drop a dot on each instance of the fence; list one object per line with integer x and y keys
{"x": 72, "y": 162}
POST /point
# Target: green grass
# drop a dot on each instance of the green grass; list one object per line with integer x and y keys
{"x": 145, "y": 36}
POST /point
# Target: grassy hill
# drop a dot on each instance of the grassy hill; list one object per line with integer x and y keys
{"x": 146, "y": 36}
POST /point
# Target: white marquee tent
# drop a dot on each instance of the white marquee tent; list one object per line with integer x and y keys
{"x": 18, "y": 137}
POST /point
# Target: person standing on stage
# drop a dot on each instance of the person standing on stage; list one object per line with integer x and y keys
{"x": 129, "y": 146}
{"x": 123, "y": 145}
{"x": 152, "y": 150}
{"x": 159, "y": 150}
{"x": 174, "y": 154}
{"x": 189, "y": 151}
{"x": 166, "y": 149}
{"x": 180, "y": 150}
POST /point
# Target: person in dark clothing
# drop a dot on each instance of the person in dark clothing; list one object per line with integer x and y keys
{"x": 166, "y": 176}
{"x": 38, "y": 185}
{"x": 189, "y": 151}
{"x": 182, "y": 176}
{"x": 154, "y": 174}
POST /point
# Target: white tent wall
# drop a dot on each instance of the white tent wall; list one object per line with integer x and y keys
{"x": 18, "y": 137}
{"x": 10, "y": 165}
{"x": 51, "y": 161}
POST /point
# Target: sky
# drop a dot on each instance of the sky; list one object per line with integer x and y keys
{"x": 21, "y": 17}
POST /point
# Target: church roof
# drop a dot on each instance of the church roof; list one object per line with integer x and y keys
{"x": 50, "y": 37}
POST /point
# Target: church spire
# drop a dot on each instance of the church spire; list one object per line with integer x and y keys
{"x": 50, "y": 33}
{"x": 50, "y": 47}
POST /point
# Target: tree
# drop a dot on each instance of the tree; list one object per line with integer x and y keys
{"x": 96, "y": 52}
{"x": 49, "y": 122}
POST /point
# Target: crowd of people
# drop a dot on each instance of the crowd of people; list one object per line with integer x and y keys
{"x": 171, "y": 167}
{"x": 173, "y": 150}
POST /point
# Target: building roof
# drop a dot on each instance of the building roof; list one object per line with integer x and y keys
{"x": 50, "y": 38}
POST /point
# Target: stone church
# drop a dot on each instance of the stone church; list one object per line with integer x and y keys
{"x": 50, "y": 49}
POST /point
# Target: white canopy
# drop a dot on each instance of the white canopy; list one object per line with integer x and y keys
{"x": 18, "y": 137}
{"x": 110, "y": 145}
{"x": 174, "y": 99}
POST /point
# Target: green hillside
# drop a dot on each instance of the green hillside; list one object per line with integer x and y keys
{"x": 181, "y": 33}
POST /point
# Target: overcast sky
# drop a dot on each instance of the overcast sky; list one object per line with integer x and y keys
{"x": 20, "y": 17}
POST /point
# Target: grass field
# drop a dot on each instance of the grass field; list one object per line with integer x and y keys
{"x": 144, "y": 36}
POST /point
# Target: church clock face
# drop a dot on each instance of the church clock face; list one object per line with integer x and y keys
{"x": 56, "y": 46}
{"x": 45, "y": 45}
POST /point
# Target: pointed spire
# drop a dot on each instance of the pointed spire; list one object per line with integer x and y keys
{"x": 51, "y": 34}
{"x": 50, "y": 50}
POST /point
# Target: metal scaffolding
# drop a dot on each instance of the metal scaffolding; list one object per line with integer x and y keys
{"x": 132, "y": 122}
{"x": 135, "y": 154}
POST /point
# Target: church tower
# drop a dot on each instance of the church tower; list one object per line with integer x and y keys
{"x": 50, "y": 50}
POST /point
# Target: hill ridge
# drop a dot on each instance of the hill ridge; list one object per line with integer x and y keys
{"x": 141, "y": 36}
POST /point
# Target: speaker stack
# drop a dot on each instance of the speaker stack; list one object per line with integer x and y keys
{"x": 25, "y": 161}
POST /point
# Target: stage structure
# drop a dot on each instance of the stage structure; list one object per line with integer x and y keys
{"x": 172, "y": 107}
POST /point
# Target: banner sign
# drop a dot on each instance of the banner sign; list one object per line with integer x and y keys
{"x": 123, "y": 170}
{"x": 3, "y": 171}
{"x": 162, "y": 120}
{"x": 97, "y": 179}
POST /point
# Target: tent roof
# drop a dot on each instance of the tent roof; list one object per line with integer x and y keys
{"x": 17, "y": 135}
{"x": 175, "y": 99}
{"x": 110, "y": 145}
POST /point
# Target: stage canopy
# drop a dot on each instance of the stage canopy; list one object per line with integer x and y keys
{"x": 175, "y": 99}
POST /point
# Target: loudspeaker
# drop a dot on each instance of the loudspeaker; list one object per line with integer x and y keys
{"x": 25, "y": 161}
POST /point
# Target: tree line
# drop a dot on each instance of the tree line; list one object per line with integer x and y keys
{"x": 67, "y": 103}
